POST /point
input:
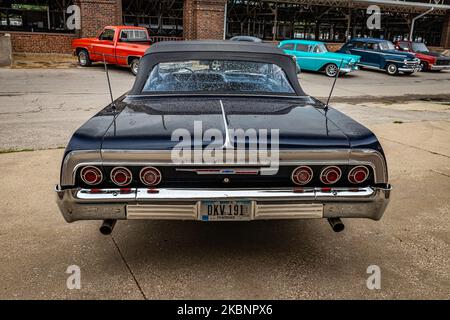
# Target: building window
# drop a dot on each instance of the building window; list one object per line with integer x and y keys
{"x": 34, "y": 15}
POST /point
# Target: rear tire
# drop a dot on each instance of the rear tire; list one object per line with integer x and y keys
{"x": 392, "y": 69}
{"x": 83, "y": 58}
{"x": 331, "y": 69}
{"x": 134, "y": 65}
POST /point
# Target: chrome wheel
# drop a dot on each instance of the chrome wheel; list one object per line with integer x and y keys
{"x": 331, "y": 70}
{"x": 82, "y": 58}
{"x": 135, "y": 66}
{"x": 392, "y": 69}
{"x": 216, "y": 65}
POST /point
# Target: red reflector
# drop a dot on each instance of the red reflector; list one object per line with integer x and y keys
{"x": 120, "y": 177}
{"x": 298, "y": 190}
{"x": 125, "y": 190}
{"x": 325, "y": 189}
{"x": 359, "y": 176}
{"x": 152, "y": 191}
{"x": 96, "y": 191}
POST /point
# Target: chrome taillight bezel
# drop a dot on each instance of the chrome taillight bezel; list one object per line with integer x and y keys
{"x": 307, "y": 168}
{"x": 158, "y": 175}
{"x": 325, "y": 172}
{"x": 351, "y": 174}
{"x": 127, "y": 173}
{"x": 96, "y": 170}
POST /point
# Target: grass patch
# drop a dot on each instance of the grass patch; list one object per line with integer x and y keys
{"x": 12, "y": 150}
{"x": 15, "y": 150}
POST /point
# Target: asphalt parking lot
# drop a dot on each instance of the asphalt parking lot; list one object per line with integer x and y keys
{"x": 39, "y": 110}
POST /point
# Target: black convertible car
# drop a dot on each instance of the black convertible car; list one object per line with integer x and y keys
{"x": 221, "y": 131}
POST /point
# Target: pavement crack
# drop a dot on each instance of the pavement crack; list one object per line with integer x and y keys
{"x": 129, "y": 268}
{"x": 441, "y": 173}
{"x": 418, "y": 148}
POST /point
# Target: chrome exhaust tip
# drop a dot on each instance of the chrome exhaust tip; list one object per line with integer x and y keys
{"x": 336, "y": 224}
{"x": 107, "y": 226}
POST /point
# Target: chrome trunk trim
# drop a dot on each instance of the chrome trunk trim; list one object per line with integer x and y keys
{"x": 155, "y": 158}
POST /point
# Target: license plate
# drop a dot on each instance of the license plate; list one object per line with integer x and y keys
{"x": 225, "y": 210}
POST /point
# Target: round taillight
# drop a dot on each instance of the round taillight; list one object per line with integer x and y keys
{"x": 91, "y": 175}
{"x": 150, "y": 176}
{"x": 121, "y": 176}
{"x": 302, "y": 175}
{"x": 330, "y": 175}
{"x": 358, "y": 174}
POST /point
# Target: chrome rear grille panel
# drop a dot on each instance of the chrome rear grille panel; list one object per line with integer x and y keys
{"x": 288, "y": 211}
{"x": 261, "y": 211}
{"x": 163, "y": 211}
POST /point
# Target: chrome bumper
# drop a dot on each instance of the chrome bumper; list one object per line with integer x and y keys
{"x": 409, "y": 68}
{"x": 349, "y": 69}
{"x": 440, "y": 67}
{"x": 183, "y": 204}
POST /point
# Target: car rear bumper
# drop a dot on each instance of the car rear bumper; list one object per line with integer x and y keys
{"x": 184, "y": 204}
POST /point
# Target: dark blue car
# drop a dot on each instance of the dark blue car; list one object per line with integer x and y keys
{"x": 221, "y": 131}
{"x": 381, "y": 54}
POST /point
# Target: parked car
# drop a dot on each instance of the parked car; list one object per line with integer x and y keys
{"x": 429, "y": 60}
{"x": 121, "y": 45}
{"x": 381, "y": 55}
{"x": 314, "y": 56}
{"x": 124, "y": 163}
{"x": 246, "y": 38}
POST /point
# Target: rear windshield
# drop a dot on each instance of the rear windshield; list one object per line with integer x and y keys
{"x": 221, "y": 76}
{"x": 133, "y": 35}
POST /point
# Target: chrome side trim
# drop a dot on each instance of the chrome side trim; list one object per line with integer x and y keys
{"x": 227, "y": 144}
{"x": 75, "y": 159}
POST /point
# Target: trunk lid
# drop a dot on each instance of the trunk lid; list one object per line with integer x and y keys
{"x": 148, "y": 124}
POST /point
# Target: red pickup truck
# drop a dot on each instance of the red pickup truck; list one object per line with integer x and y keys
{"x": 121, "y": 45}
{"x": 429, "y": 60}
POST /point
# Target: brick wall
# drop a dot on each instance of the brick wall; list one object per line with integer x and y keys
{"x": 96, "y": 14}
{"x": 41, "y": 42}
{"x": 203, "y": 19}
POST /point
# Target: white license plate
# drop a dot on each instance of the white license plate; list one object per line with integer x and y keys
{"x": 225, "y": 210}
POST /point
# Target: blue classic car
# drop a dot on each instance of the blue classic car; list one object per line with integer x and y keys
{"x": 314, "y": 56}
{"x": 382, "y": 55}
{"x": 221, "y": 131}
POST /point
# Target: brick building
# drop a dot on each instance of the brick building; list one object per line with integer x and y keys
{"x": 40, "y": 25}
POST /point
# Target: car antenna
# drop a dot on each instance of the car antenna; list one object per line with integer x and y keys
{"x": 113, "y": 105}
{"x": 332, "y": 87}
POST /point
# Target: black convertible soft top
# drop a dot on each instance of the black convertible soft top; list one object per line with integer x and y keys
{"x": 172, "y": 51}
{"x": 213, "y": 46}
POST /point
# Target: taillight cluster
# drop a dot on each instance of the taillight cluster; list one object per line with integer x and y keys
{"x": 120, "y": 176}
{"x": 329, "y": 175}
